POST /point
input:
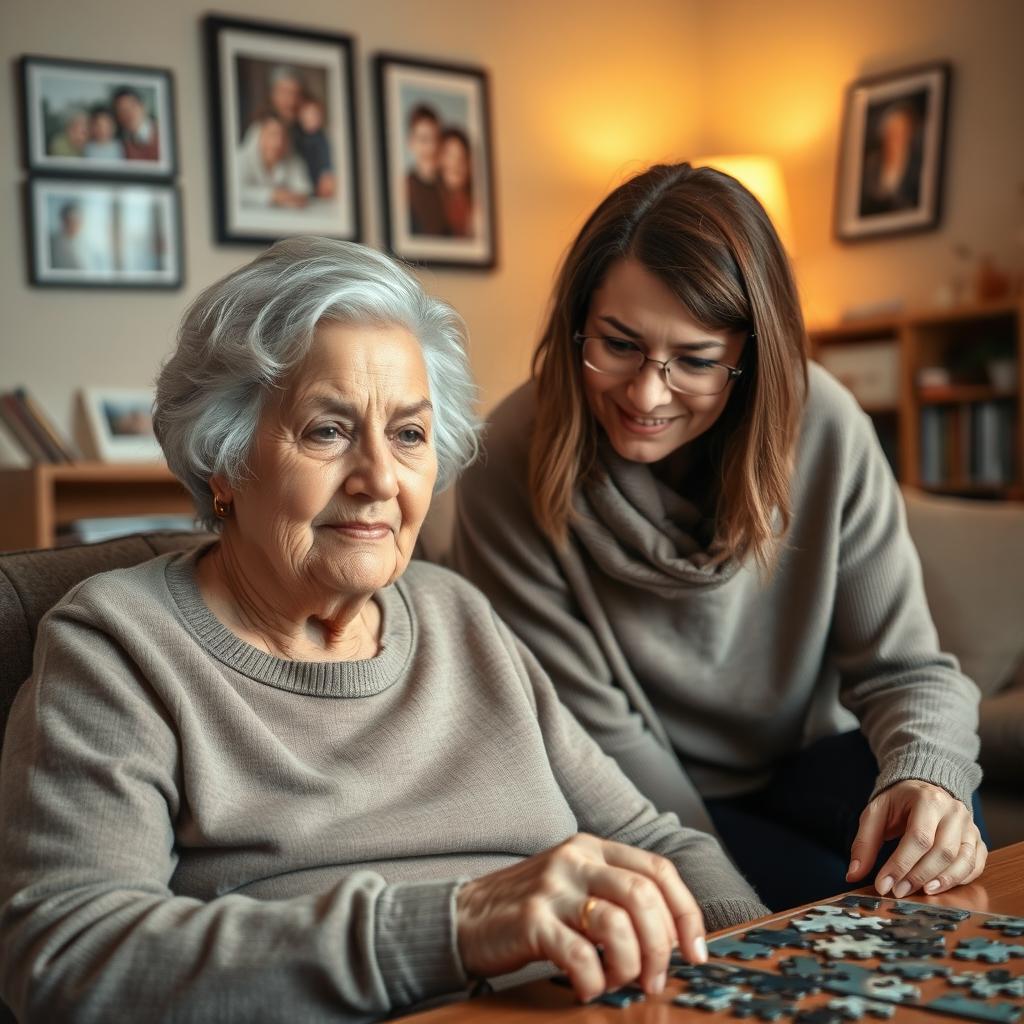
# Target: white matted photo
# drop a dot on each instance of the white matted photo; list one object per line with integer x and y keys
{"x": 88, "y": 118}
{"x": 120, "y": 424}
{"x": 285, "y": 151}
{"x": 104, "y": 234}
{"x": 891, "y": 153}
{"x": 435, "y": 140}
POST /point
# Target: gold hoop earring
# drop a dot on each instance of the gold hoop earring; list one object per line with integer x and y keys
{"x": 221, "y": 508}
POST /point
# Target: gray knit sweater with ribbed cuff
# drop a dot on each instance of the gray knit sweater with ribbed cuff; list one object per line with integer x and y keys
{"x": 195, "y": 830}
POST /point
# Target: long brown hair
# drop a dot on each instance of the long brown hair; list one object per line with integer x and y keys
{"x": 705, "y": 236}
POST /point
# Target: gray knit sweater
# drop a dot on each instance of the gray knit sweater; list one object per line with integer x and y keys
{"x": 699, "y": 680}
{"x": 194, "y": 830}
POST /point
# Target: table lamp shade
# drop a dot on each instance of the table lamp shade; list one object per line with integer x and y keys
{"x": 762, "y": 175}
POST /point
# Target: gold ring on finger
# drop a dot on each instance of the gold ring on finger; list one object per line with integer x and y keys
{"x": 588, "y": 906}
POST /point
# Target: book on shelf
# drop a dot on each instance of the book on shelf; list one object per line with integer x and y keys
{"x": 32, "y": 428}
{"x": 971, "y": 443}
{"x": 91, "y": 531}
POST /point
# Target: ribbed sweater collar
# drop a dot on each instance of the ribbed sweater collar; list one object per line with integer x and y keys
{"x": 642, "y": 532}
{"x": 362, "y": 678}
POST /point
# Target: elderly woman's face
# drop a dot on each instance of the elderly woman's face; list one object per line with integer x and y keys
{"x": 343, "y": 466}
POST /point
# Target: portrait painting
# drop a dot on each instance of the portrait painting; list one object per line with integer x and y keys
{"x": 285, "y": 152}
{"x": 436, "y": 154}
{"x": 104, "y": 234}
{"x": 109, "y": 120}
{"x": 891, "y": 156}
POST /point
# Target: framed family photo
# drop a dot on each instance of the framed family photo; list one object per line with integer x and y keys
{"x": 85, "y": 118}
{"x": 435, "y": 142}
{"x": 106, "y": 234}
{"x": 284, "y": 124}
{"x": 891, "y": 154}
{"x": 119, "y": 424}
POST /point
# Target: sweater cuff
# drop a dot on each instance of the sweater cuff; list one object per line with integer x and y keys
{"x": 416, "y": 942}
{"x": 958, "y": 778}
{"x": 719, "y": 914}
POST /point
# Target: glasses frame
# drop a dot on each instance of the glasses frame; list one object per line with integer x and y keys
{"x": 663, "y": 364}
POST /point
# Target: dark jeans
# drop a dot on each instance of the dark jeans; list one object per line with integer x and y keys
{"x": 792, "y": 838}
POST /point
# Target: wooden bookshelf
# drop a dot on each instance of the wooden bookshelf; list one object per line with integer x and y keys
{"x": 40, "y": 499}
{"x": 953, "y": 339}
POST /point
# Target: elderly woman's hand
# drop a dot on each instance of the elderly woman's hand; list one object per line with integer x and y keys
{"x": 561, "y": 904}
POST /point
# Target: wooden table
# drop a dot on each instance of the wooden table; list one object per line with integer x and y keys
{"x": 1000, "y": 890}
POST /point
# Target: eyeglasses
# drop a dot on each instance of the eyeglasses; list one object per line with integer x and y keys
{"x": 689, "y": 375}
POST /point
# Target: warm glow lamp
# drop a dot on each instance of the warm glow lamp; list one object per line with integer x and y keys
{"x": 763, "y": 176}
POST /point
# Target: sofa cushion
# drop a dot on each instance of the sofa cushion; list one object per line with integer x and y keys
{"x": 32, "y": 582}
{"x": 972, "y": 555}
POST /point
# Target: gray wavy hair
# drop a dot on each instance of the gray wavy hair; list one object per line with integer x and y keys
{"x": 245, "y": 334}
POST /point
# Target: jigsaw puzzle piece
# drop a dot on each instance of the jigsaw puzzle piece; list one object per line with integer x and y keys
{"x": 778, "y": 937}
{"x": 767, "y": 1008}
{"x": 712, "y": 998}
{"x": 919, "y": 970}
{"x": 958, "y": 1006}
{"x": 945, "y": 918}
{"x": 982, "y": 984}
{"x": 853, "y": 980}
{"x": 1011, "y": 927}
{"x": 986, "y": 949}
{"x": 854, "y": 1007}
{"x": 842, "y": 947}
{"x": 622, "y": 997}
{"x": 824, "y": 917}
{"x": 739, "y": 948}
{"x": 861, "y": 902}
{"x": 803, "y": 967}
{"x": 819, "y": 1015}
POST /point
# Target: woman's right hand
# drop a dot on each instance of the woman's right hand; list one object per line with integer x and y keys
{"x": 561, "y": 904}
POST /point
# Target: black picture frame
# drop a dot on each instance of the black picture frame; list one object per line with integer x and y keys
{"x": 425, "y": 221}
{"x": 243, "y": 54}
{"x": 891, "y": 168}
{"x": 128, "y": 235}
{"x": 61, "y": 99}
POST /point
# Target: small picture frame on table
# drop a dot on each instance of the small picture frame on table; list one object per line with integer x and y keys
{"x": 891, "y": 153}
{"x": 119, "y": 424}
{"x": 435, "y": 144}
{"x": 285, "y": 152}
{"x": 104, "y": 234}
{"x": 89, "y": 118}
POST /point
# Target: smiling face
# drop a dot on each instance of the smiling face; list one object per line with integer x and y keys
{"x": 644, "y": 419}
{"x": 342, "y": 467}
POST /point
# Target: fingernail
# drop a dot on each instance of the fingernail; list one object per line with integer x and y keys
{"x": 700, "y": 947}
{"x": 901, "y": 890}
{"x": 932, "y": 886}
{"x": 885, "y": 885}
{"x": 854, "y": 868}
{"x": 659, "y": 984}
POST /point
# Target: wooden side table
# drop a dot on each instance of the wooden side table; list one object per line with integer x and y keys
{"x": 37, "y": 500}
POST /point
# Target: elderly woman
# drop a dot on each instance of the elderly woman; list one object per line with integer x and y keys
{"x": 288, "y": 775}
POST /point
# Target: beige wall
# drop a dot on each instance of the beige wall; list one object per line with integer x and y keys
{"x": 775, "y": 81}
{"x": 579, "y": 90}
{"x": 583, "y": 91}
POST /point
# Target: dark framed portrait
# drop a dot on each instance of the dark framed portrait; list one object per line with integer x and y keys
{"x": 892, "y": 152}
{"x": 85, "y": 118}
{"x": 284, "y": 131}
{"x": 106, "y": 234}
{"x": 435, "y": 144}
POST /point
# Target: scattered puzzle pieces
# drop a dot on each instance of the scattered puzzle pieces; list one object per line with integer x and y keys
{"x": 830, "y": 918}
{"x": 987, "y": 950}
{"x": 764, "y": 1008}
{"x": 622, "y": 997}
{"x": 946, "y": 918}
{"x": 842, "y": 947}
{"x": 778, "y": 937}
{"x": 850, "y": 979}
{"x": 982, "y": 984}
{"x": 958, "y": 1006}
{"x": 854, "y": 1007}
